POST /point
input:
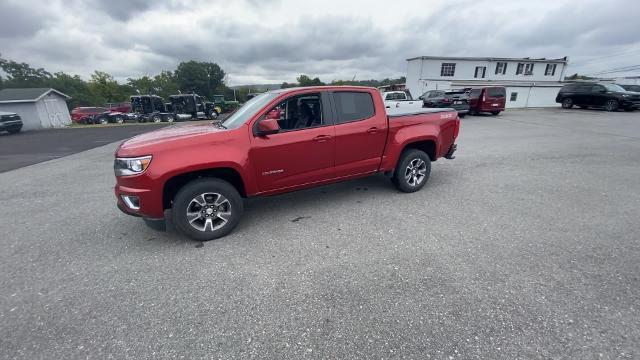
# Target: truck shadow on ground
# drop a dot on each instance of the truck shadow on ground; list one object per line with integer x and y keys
{"x": 300, "y": 206}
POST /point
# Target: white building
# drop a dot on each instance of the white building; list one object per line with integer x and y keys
{"x": 529, "y": 82}
{"x": 628, "y": 80}
{"x": 38, "y": 107}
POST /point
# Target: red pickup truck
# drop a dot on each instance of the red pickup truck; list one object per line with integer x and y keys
{"x": 279, "y": 141}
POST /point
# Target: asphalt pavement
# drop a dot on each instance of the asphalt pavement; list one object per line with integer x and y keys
{"x": 32, "y": 147}
{"x": 526, "y": 246}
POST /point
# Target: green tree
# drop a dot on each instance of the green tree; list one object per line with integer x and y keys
{"x": 73, "y": 86}
{"x": 165, "y": 84}
{"x": 104, "y": 88}
{"x": 23, "y": 75}
{"x": 143, "y": 85}
{"x": 199, "y": 76}
{"x": 304, "y": 80}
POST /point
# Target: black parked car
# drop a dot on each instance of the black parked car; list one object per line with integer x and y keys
{"x": 611, "y": 97}
{"x": 457, "y": 99}
{"x": 634, "y": 88}
{"x": 10, "y": 122}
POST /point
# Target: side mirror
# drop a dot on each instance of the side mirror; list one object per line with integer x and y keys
{"x": 268, "y": 126}
{"x": 420, "y": 97}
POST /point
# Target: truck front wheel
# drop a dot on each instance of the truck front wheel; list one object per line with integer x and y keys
{"x": 412, "y": 171}
{"x": 207, "y": 209}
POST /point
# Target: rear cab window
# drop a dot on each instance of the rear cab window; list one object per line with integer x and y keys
{"x": 496, "y": 92}
{"x": 353, "y": 106}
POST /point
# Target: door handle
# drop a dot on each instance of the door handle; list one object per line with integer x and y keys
{"x": 373, "y": 130}
{"x": 322, "y": 138}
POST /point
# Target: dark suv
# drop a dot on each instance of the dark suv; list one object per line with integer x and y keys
{"x": 10, "y": 122}
{"x": 456, "y": 99}
{"x": 611, "y": 97}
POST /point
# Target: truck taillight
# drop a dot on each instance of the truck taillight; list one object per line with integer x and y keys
{"x": 456, "y": 129}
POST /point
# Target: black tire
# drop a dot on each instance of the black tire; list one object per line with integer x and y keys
{"x": 169, "y": 118}
{"x": 14, "y": 130}
{"x": 185, "y": 198}
{"x": 402, "y": 175}
{"x": 156, "y": 118}
{"x": 461, "y": 115}
{"x": 611, "y": 105}
{"x": 629, "y": 109}
{"x": 119, "y": 119}
{"x": 102, "y": 120}
{"x": 583, "y": 107}
{"x": 567, "y": 103}
{"x": 495, "y": 113}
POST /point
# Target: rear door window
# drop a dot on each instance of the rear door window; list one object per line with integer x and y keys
{"x": 353, "y": 106}
{"x": 496, "y": 92}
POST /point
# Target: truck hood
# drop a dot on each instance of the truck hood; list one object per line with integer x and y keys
{"x": 145, "y": 143}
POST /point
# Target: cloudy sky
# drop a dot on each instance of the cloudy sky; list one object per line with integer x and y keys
{"x": 263, "y": 41}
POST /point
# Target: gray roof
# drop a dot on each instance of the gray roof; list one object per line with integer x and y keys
{"x": 561, "y": 60}
{"x": 27, "y": 95}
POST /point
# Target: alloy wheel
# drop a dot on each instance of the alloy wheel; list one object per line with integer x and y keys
{"x": 415, "y": 172}
{"x": 208, "y": 212}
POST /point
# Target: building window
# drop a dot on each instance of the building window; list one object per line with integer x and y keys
{"x": 448, "y": 69}
{"x": 550, "y": 70}
{"x": 480, "y": 72}
{"x": 527, "y": 69}
{"x": 514, "y": 96}
{"x": 501, "y": 68}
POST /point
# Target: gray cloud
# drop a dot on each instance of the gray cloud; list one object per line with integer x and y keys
{"x": 273, "y": 41}
{"x": 18, "y": 20}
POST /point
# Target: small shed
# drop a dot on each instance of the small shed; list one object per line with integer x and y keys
{"x": 39, "y": 108}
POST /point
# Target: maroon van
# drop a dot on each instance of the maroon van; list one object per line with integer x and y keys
{"x": 489, "y": 99}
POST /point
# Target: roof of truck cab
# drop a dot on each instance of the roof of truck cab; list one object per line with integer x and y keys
{"x": 323, "y": 88}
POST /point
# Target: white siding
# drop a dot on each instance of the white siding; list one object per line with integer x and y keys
{"x": 28, "y": 113}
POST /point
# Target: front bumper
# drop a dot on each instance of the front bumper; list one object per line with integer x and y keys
{"x": 11, "y": 124}
{"x": 149, "y": 201}
{"x": 629, "y": 104}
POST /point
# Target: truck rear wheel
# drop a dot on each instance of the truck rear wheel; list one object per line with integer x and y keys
{"x": 207, "y": 209}
{"x": 412, "y": 171}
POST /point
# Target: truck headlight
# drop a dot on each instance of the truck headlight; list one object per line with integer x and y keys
{"x": 131, "y": 166}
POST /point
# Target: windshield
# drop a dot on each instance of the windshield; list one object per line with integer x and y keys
{"x": 614, "y": 87}
{"x": 247, "y": 110}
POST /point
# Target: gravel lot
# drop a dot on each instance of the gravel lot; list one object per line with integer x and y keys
{"x": 525, "y": 246}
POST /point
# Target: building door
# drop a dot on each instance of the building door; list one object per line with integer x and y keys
{"x": 52, "y": 112}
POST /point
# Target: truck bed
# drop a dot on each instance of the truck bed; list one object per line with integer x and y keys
{"x": 439, "y": 126}
{"x": 393, "y": 113}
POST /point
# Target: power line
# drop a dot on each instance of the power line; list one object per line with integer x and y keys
{"x": 616, "y": 70}
{"x": 608, "y": 56}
